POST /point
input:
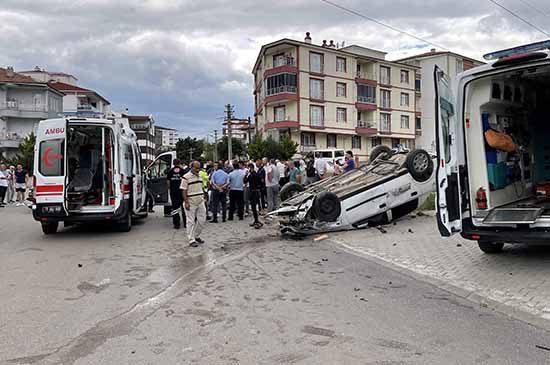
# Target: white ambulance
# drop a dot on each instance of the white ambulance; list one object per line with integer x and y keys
{"x": 87, "y": 169}
{"x": 493, "y": 141}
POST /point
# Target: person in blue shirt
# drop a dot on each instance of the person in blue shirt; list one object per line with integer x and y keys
{"x": 236, "y": 191}
{"x": 219, "y": 181}
{"x": 350, "y": 162}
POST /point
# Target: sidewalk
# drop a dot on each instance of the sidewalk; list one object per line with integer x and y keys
{"x": 516, "y": 282}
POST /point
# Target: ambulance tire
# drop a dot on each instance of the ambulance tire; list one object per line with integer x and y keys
{"x": 125, "y": 224}
{"x": 420, "y": 165}
{"x": 378, "y": 151}
{"x": 50, "y": 227}
{"x": 489, "y": 247}
{"x": 327, "y": 207}
{"x": 289, "y": 190}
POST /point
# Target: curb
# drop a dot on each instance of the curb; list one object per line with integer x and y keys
{"x": 469, "y": 295}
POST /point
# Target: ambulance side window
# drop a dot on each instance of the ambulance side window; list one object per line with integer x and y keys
{"x": 160, "y": 167}
{"x": 51, "y": 154}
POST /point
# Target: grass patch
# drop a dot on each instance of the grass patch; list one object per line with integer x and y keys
{"x": 429, "y": 204}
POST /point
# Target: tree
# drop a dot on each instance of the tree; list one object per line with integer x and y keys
{"x": 238, "y": 148}
{"x": 288, "y": 148}
{"x": 283, "y": 150}
{"x": 189, "y": 147}
{"x": 257, "y": 148}
{"x": 25, "y": 154}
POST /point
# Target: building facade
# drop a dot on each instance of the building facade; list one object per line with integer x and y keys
{"x": 166, "y": 137}
{"x": 24, "y": 102}
{"x": 241, "y": 129}
{"x": 144, "y": 128}
{"x": 326, "y": 97}
{"x": 450, "y": 63}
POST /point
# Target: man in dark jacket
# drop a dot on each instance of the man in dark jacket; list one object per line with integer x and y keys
{"x": 175, "y": 174}
{"x": 255, "y": 185}
{"x": 263, "y": 192}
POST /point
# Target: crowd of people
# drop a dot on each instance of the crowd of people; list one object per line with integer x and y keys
{"x": 223, "y": 191}
{"x": 13, "y": 185}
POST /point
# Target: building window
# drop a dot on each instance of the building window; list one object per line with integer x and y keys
{"x": 316, "y": 89}
{"x": 404, "y": 76}
{"x": 404, "y": 99}
{"x": 281, "y": 83}
{"x": 385, "y": 75}
{"x": 279, "y": 113}
{"x": 404, "y": 122}
{"x": 316, "y": 62}
{"x": 279, "y": 60}
{"x": 341, "y": 89}
{"x": 376, "y": 141}
{"x": 385, "y": 122}
{"x": 316, "y": 115}
{"x": 356, "y": 142}
{"x": 417, "y": 84}
{"x": 366, "y": 94}
{"x": 308, "y": 139}
{"x": 418, "y": 123}
{"x": 340, "y": 64}
{"x": 385, "y": 96}
{"x": 331, "y": 140}
{"x": 341, "y": 115}
{"x": 459, "y": 66}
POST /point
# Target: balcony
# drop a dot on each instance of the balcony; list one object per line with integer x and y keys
{"x": 418, "y": 132}
{"x": 366, "y": 128}
{"x": 365, "y": 78}
{"x": 10, "y": 140}
{"x": 366, "y": 102}
{"x": 280, "y": 65}
{"x": 287, "y": 122}
{"x": 281, "y": 93}
{"x": 22, "y": 110}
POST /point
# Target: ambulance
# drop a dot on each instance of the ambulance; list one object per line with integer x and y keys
{"x": 87, "y": 170}
{"x": 493, "y": 142}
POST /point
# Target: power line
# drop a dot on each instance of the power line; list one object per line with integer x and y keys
{"x": 518, "y": 17}
{"x": 543, "y": 11}
{"x": 351, "y": 11}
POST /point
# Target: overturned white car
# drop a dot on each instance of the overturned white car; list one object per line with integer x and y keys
{"x": 391, "y": 185}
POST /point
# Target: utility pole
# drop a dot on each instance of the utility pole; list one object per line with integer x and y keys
{"x": 191, "y": 149}
{"x": 249, "y": 134}
{"x": 228, "y": 119}
{"x": 215, "y": 145}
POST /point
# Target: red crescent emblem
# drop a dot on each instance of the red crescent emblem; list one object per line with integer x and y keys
{"x": 47, "y": 159}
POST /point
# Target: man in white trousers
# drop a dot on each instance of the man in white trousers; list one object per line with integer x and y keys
{"x": 193, "y": 197}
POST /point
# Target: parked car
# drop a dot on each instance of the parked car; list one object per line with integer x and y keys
{"x": 87, "y": 169}
{"x": 493, "y": 139}
{"x": 393, "y": 184}
{"x": 330, "y": 155}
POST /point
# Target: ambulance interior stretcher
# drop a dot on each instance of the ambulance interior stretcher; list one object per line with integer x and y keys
{"x": 509, "y": 188}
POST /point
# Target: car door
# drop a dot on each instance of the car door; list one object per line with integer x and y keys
{"x": 449, "y": 214}
{"x": 139, "y": 198}
{"x": 157, "y": 177}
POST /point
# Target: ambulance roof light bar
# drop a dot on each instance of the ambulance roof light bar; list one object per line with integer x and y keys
{"x": 533, "y": 47}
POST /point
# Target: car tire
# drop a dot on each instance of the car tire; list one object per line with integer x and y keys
{"x": 378, "y": 151}
{"x": 420, "y": 165}
{"x": 327, "y": 207}
{"x": 125, "y": 224}
{"x": 50, "y": 227}
{"x": 289, "y": 190}
{"x": 489, "y": 247}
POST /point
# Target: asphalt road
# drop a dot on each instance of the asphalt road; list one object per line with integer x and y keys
{"x": 92, "y": 296}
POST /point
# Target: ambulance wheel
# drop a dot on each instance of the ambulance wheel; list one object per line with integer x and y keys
{"x": 327, "y": 207}
{"x": 289, "y": 190}
{"x": 50, "y": 227}
{"x": 125, "y": 224}
{"x": 420, "y": 165}
{"x": 380, "y": 151}
{"x": 490, "y": 247}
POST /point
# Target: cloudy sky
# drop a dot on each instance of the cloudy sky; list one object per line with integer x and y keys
{"x": 182, "y": 60}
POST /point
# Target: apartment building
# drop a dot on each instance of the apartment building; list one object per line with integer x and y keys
{"x": 323, "y": 96}
{"x": 166, "y": 137}
{"x": 77, "y": 100}
{"x": 23, "y": 103}
{"x": 452, "y": 64}
{"x": 144, "y": 128}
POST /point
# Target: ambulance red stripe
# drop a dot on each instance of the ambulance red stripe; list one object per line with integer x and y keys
{"x": 49, "y": 188}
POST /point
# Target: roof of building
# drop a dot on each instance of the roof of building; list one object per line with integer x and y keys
{"x": 165, "y": 128}
{"x": 8, "y": 75}
{"x": 49, "y": 73}
{"x": 337, "y": 50}
{"x": 68, "y": 88}
{"x": 439, "y": 53}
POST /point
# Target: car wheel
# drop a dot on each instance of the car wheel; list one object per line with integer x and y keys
{"x": 125, "y": 224}
{"x": 380, "y": 151}
{"x": 490, "y": 247}
{"x": 289, "y": 190}
{"x": 420, "y": 165}
{"x": 50, "y": 227}
{"x": 327, "y": 207}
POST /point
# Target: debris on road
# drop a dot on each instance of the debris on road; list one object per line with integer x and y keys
{"x": 410, "y": 230}
{"x": 363, "y": 299}
{"x": 324, "y": 259}
{"x": 320, "y": 237}
{"x": 79, "y": 265}
{"x": 381, "y": 229}
{"x": 459, "y": 245}
{"x": 356, "y": 289}
{"x": 395, "y": 244}
{"x": 542, "y": 347}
